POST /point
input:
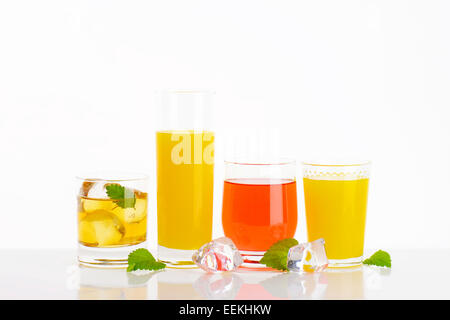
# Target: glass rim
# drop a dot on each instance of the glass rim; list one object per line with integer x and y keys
{"x": 278, "y": 162}
{"x": 111, "y": 176}
{"x": 337, "y": 163}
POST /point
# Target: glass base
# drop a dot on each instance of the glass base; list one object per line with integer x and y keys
{"x": 106, "y": 257}
{"x": 251, "y": 260}
{"x": 176, "y": 258}
{"x": 345, "y": 263}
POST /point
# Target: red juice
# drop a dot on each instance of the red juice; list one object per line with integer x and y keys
{"x": 258, "y": 212}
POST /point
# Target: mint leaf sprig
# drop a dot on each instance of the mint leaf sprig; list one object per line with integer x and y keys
{"x": 276, "y": 256}
{"x": 123, "y": 197}
{"x": 142, "y": 259}
{"x": 380, "y": 259}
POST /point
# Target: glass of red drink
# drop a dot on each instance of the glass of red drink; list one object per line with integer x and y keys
{"x": 259, "y": 206}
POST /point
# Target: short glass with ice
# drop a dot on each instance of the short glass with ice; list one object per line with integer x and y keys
{"x": 112, "y": 217}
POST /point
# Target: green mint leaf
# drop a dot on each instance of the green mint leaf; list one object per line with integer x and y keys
{"x": 123, "y": 197}
{"x": 131, "y": 267}
{"x": 276, "y": 256}
{"x": 142, "y": 259}
{"x": 380, "y": 258}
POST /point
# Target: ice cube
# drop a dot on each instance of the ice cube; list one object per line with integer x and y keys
{"x": 218, "y": 255}
{"x": 85, "y": 187}
{"x": 90, "y": 205}
{"x": 100, "y": 228}
{"x": 94, "y": 197}
{"x": 136, "y": 214}
{"x": 97, "y": 190}
{"x": 308, "y": 257}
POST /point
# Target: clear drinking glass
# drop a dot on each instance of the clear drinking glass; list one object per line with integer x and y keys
{"x": 335, "y": 203}
{"x": 259, "y": 206}
{"x": 185, "y": 175}
{"x": 112, "y": 217}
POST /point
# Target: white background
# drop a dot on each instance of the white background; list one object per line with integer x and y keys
{"x": 366, "y": 79}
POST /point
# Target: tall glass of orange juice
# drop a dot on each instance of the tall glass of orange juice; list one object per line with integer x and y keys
{"x": 335, "y": 205}
{"x": 185, "y": 175}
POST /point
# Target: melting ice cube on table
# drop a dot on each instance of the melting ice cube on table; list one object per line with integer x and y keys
{"x": 308, "y": 257}
{"x": 218, "y": 255}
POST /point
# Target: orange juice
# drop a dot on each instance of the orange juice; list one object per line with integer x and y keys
{"x": 336, "y": 212}
{"x": 185, "y": 170}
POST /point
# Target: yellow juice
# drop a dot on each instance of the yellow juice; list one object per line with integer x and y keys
{"x": 336, "y": 212}
{"x": 185, "y": 175}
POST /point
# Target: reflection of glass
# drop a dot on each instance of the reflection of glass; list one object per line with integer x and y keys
{"x": 218, "y": 286}
{"x": 297, "y": 286}
{"x": 112, "y": 217}
{"x": 345, "y": 284}
{"x": 259, "y": 206}
{"x": 335, "y": 203}
{"x": 331, "y": 284}
{"x": 178, "y": 284}
{"x": 185, "y": 170}
{"x": 112, "y": 284}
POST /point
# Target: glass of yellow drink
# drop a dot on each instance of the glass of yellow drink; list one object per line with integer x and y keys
{"x": 112, "y": 217}
{"x": 335, "y": 205}
{"x": 185, "y": 175}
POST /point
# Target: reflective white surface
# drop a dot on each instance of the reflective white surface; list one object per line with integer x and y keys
{"x": 54, "y": 274}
